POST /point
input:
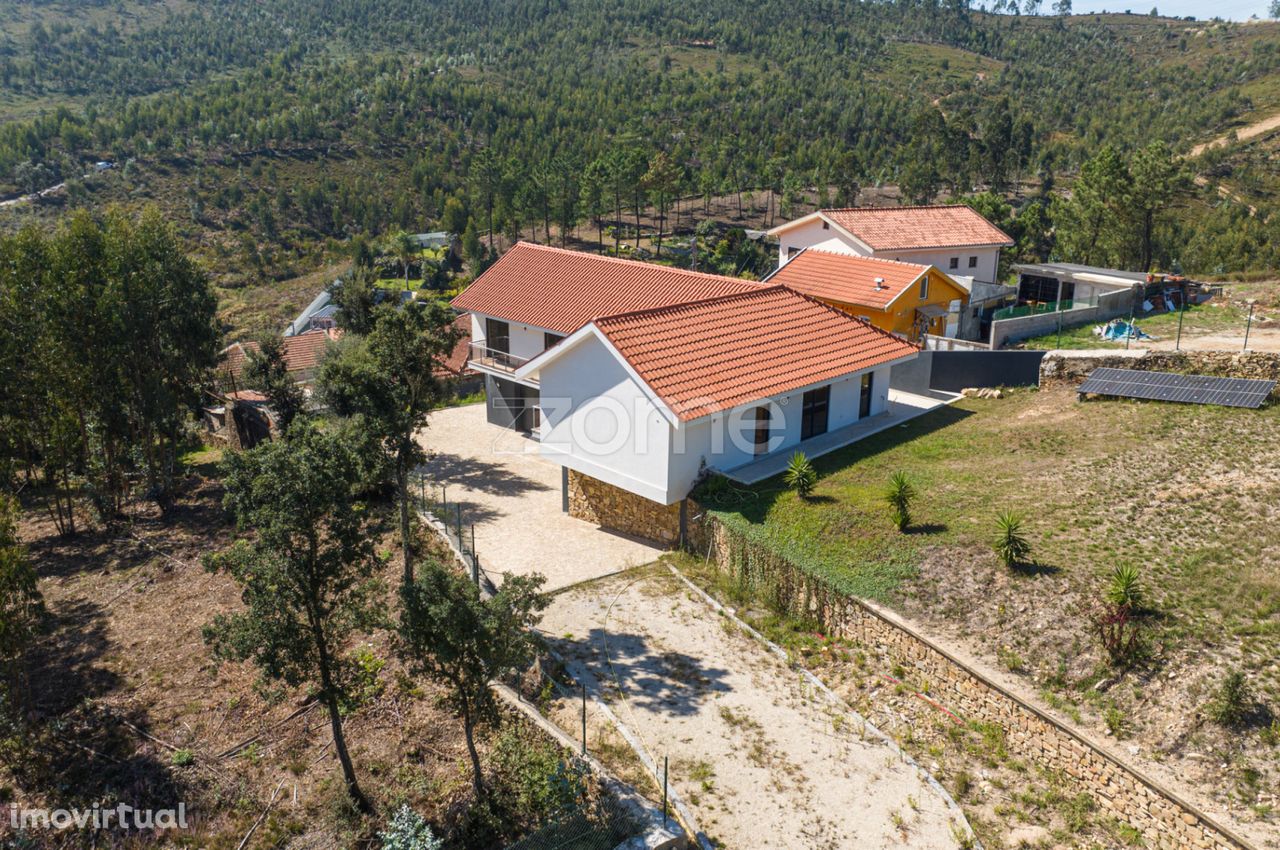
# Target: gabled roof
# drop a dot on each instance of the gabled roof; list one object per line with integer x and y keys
{"x": 847, "y": 278}
{"x": 301, "y": 352}
{"x": 562, "y": 290}
{"x": 716, "y": 354}
{"x": 910, "y": 228}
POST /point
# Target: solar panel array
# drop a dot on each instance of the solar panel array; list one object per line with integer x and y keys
{"x": 1168, "y": 386}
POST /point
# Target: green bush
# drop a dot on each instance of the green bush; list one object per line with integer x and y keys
{"x": 408, "y": 831}
{"x": 1234, "y": 700}
{"x": 182, "y": 758}
{"x": 800, "y": 475}
{"x": 1010, "y": 545}
{"x": 899, "y": 497}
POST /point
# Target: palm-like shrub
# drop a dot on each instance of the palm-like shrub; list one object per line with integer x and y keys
{"x": 899, "y": 496}
{"x": 800, "y": 475}
{"x": 1125, "y": 587}
{"x": 1010, "y": 545}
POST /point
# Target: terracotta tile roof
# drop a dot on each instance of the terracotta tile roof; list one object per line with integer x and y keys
{"x": 456, "y": 364}
{"x": 301, "y": 352}
{"x": 563, "y": 290}
{"x": 715, "y": 354}
{"x": 846, "y": 278}
{"x": 903, "y": 228}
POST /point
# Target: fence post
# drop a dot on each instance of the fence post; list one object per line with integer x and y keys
{"x": 664, "y": 791}
{"x": 584, "y": 719}
{"x": 1248, "y": 325}
{"x": 458, "y": 505}
{"x": 1182, "y": 311}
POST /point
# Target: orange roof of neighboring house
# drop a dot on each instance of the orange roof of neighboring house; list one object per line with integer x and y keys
{"x": 252, "y": 396}
{"x": 715, "y": 354}
{"x": 301, "y": 352}
{"x": 562, "y": 290}
{"x": 846, "y": 278}
{"x": 912, "y": 228}
{"x": 456, "y": 364}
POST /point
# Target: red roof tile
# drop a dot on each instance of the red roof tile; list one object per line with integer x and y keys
{"x": 910, "y": 228}
{"x": 846, "y": 278}
{"x": 301, "y": 352}
{"x": 716, "y": 354}
{"x": 456, "y": 364}
{"x": 562, "y": 290}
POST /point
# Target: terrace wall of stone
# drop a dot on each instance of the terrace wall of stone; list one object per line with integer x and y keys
{"x": 1075, "y": 366}
{"x": 1164, "y": 819}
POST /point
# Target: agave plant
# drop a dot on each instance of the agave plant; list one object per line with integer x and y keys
{"x": 899, "y": 496}
{"x": 1125, "y": 587}
{"x": 800, "y": 475}
{"x": 1010, "y": 545}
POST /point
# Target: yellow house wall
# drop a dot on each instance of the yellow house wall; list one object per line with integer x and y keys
{"x": 900, "y": 316}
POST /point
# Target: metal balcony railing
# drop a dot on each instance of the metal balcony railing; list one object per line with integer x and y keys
{"x": 490, "y": 358}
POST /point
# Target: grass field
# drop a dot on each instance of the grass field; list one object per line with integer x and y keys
{"x": 1188, "y": 494}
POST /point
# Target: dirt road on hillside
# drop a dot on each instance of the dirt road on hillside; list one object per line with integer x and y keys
{"x": 761, "y": 759}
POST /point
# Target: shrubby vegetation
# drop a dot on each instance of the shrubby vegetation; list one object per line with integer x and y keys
{"x": 505, "y": 119}
{"x": 108, "y": 336}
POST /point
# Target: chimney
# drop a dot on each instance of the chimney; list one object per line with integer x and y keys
{"x": 879, "y": 284}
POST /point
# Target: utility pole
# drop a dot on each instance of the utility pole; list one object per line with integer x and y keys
{"x": 1248, "y": 324}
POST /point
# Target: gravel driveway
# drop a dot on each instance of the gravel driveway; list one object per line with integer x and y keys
{"x": 513, "y": 497}
{"x": 760, "y": 759}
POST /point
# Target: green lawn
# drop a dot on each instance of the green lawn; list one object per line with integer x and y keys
{"x": 1211, "y": 318}
{"x": 1189, "y": 494}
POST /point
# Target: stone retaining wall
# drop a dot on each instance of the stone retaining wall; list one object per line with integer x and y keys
{"x": 1165, "y": 820}
{"x": 614, "y": 508}
{"x": 1076, "y": 365}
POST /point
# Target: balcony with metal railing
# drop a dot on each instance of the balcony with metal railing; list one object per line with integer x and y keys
{"x": 494, "y": 361}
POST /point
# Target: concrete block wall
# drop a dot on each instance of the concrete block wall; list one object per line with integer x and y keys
{"x": 1166, "y": 821}
{"x": 1109, "y": 306}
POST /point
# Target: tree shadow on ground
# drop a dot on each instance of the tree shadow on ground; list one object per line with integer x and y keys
{"x": 671, "y": 683}
{"x": 1034, "y": 568}
{"x": 926, "y": 528}
{"x": 82, "y": 748}
{"x": 472, "y": 513}
{"x": 479, "y": 475}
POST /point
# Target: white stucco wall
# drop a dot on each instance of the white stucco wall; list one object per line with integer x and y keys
{"x": 986, "y": 270}
{"x": 598, "y": 420}
{"x": 527, "y": 341}
{"x": 711, "y": 439}
{"x": 812, "y": 235}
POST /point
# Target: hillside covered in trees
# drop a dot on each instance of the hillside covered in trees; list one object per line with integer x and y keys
{"x": 274, "y": 131}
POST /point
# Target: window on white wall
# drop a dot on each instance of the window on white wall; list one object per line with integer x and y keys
{"x": 955, "y": 262}
{"x": 973, "y": 262}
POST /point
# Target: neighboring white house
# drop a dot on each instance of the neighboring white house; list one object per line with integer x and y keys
{"x": 636, "y": 377}
{"x": 955, "y": 239}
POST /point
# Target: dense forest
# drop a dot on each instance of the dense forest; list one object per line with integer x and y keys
{"x": 272, "y": 132}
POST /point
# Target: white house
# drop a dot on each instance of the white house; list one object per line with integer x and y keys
{"x": 955, "y": 239}
{"x": 643, "y": 401}
{"x": 636, "y": 377}
{"x": 536, "y": 295}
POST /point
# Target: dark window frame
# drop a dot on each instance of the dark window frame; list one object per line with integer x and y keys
{"x": 815, "y": 412}
{"x": 763, "y": 430}
{"x": 865, "y": 394}
{"x": 549, "y": 339}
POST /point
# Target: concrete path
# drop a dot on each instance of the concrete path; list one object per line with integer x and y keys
{"x": 761, "y": 760}
{"x": 513, "y": 497}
